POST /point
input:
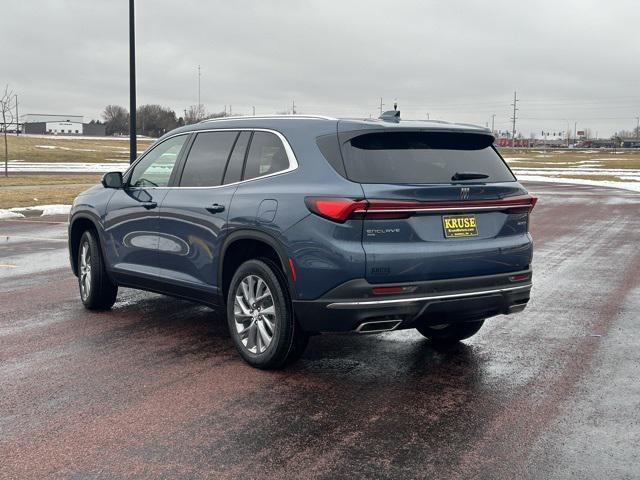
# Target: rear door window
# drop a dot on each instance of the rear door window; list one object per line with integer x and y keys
{"x": 423, "y": 157}
{"x": 266, "y": 156}
{"x": 207, "y": 159}
{"x": 236, "y": 161}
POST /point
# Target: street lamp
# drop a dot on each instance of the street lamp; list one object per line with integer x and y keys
{"x": 132, "y": 85}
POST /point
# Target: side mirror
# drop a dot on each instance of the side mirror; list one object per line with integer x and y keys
{"x": 112, "y": 180}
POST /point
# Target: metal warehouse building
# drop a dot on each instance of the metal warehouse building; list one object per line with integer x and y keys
{"x": 38, "y": 123}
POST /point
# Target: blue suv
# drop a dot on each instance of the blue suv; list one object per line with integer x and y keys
{"x": 298, "y": 225}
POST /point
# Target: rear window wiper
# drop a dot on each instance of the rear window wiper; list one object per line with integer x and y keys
{"x": 468, "y": 176}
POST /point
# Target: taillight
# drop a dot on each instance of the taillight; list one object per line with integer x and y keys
{"x": 341, "y": 209}
{"x": 336, "y": 209}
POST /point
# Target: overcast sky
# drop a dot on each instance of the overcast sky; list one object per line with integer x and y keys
{"x": 454, "y": 60}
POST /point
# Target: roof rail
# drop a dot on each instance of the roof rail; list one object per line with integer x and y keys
{"x": 275, "y": 117}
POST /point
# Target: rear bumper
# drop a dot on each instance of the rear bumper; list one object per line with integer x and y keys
{"x": 353, "y": 306}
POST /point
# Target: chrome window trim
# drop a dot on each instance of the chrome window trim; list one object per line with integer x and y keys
{"x": 365, "y": 303}
{"x": 291, "y": 157}
{"x": 268, "y": 117}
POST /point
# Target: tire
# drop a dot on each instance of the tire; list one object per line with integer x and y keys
{"x": 264, "y": 340}
{"x": 450, "y": 333}
{"x": 97, "y": 292}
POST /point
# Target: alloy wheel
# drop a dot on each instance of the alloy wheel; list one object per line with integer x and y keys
{"x": 85, "y": 271}
{"x": 254, "y": 314}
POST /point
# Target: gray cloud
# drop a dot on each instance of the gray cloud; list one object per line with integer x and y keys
{"x": 457, "y": 60}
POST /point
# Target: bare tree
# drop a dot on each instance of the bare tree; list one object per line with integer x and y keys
{"x": 195, "y": 114}
{"x": 116, "y": 119}
{"x": 6, "y": 109}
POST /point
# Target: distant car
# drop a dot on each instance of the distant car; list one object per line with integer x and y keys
{"x": 297, "y": 225}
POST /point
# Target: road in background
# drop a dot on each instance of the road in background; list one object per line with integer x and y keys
{"x": 154, "y": 387}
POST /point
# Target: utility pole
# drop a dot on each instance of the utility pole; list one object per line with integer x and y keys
{"x": 230, "y": 111}
{"x": 199, "y": 75}
{"x": 17, "y": 121}
{"x": 254, "y": 110}
{"x": 575, "y": 132}
{"x": 133, "y": 146}
{"x": 637, "y": 123}
{"x": 428, "y": 116}
{"x": 493, "y": 122}
{"x": 514, "y": 118}
{"x": 381, "y": 105}
{"x": 293, "y": 107}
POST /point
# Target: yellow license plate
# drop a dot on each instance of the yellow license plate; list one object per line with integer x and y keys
{"x": 456, "y": 226}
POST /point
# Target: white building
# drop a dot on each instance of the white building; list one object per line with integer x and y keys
{"x": 53, "y": 124}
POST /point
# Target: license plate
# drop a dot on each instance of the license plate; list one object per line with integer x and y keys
{"x": 456, "y": 226}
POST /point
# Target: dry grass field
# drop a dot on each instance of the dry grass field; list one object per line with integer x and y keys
{"x": 539, "y": 158}
{"x": 69, "y": 149}
{"x": 29, "y": 190}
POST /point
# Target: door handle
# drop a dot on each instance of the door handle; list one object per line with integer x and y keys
{"x": 149, "y": 205}
{"x": 215, "y": 208}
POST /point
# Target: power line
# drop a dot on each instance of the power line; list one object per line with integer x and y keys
{"x": 514, "y": 118}
{"x": 199, "y": 75}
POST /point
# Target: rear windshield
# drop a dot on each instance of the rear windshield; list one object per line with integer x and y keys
{"x": 423, "y": 157}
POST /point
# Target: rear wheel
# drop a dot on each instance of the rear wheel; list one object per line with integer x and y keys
{"x": 260, "y": 316}
{"x": 97, "y": 292}
{"x": 451, "y": 332}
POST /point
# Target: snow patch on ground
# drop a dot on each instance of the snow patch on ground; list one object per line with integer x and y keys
{"x": 633, "y": 186}
{"x": 5, "y": 214}
{"x": 67, "y": 167}
{"x": 18, "y": 212}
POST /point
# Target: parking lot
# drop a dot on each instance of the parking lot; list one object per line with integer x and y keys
{"x": 154, "y": 388}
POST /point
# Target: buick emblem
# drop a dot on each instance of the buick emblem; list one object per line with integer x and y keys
{"x": 464, "y": 193}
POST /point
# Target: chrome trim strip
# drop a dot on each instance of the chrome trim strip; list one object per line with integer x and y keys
{"x": 443, "y": 209}
{"x": 364, "y": 303}
{"x": 293, "y": 161}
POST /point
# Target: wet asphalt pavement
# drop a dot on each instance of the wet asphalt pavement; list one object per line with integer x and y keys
{"x": 155, "y": 389}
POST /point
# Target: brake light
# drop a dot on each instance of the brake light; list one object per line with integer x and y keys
{"x": 341, "y": 209}
{"x": 336, "y": 209}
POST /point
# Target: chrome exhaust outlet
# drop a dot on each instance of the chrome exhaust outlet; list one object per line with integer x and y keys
{"x": 378, "y": 326}
{"x": 518, "y": 307}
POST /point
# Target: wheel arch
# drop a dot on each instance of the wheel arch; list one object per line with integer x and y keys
{"x": 243, "y": 245}
{"x": 79, "y": 224}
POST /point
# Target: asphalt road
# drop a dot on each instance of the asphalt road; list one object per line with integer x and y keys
{"x": 154, "y": 388}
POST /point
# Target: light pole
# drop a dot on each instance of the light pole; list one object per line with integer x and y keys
{"x": 17, "y": 120}
{"x": 133, "y": 146}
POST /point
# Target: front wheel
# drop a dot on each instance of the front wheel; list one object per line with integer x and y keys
{"x": 451, "y": 332}
{"x": 260, "y": 316}
{"x": 97, "y": 292}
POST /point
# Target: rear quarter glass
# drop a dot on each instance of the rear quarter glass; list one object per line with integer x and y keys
{"x": 422, "y": 158}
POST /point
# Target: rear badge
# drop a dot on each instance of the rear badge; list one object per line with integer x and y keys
{"x": 456, "y": 226}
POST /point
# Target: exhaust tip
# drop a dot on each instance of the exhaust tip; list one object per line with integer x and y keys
{"x": 518, "y": 307}
{"x": 378, "y": 326}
